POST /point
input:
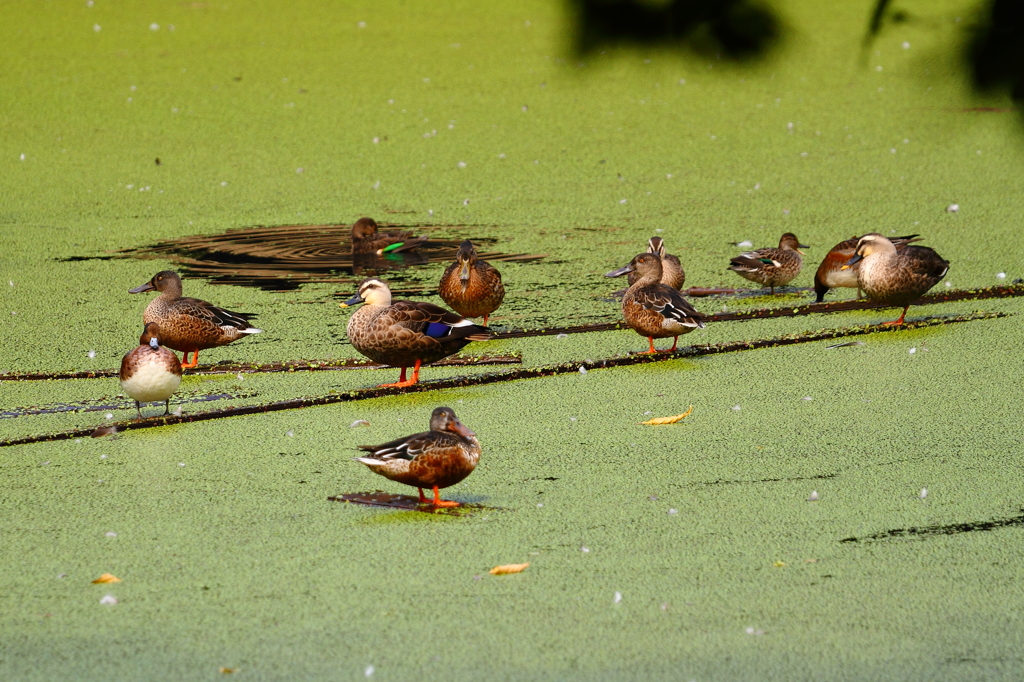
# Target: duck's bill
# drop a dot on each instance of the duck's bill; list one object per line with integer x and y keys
{"x": 620, "y": 272}
{"x": 464, "y": 271}
{"x": 461, "y": 429}
{"x": 853, "y": 261}
{"x": 355, "y": 300}
{"x": 148, "y": 286}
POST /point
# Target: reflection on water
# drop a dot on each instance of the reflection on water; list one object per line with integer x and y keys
{"x": 283, "y": 257}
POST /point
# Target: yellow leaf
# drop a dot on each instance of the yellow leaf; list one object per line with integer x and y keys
{"x": 780, "y": 564}
{"x": 509, "y": 568}
{"x": 106, "y": 578}
{"x": 658, "y": 421}
{"x": 226, "y": 670}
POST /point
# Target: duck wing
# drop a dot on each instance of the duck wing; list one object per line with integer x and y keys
{"x": 206, "y": 311}
{"x": 754, "y": 261}
{"x": 670, "y": 304}
{"x": 435, "y": 322}
{"x": 411, "y": 447}
{"x": 924, "y": 261}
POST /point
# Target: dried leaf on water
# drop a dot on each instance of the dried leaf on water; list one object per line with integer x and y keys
{"x": 658, "y": 421}
{"x": 509, "y": 568}
{"x": 106, "y": 578}
{"x": 226, "y": 670}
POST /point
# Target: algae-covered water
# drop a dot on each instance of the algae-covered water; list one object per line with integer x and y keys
{"x": 688, "y": 551}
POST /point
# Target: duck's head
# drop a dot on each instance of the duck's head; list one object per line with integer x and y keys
{"x": 645, "y": 264}
{"x": 364, "y": 228}
{"x": 372, "y": 291}
{"x": 656, "y": 245}
{"x": 444, "y": 419}
{"x": 166, "y": 281}
{"x": 466, "y": 258}
{"x": 789, "y": 241}
{"x": 869, "y": 244}
{"x": 150, "y": 336}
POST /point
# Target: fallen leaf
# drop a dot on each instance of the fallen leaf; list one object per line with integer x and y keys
{"x": 509, "y": 568}
{"x": 226, "y": 670}
{"x": 106, "y": 578}
{"x": 658, "y": 421}
{"x": 779, "y": 564}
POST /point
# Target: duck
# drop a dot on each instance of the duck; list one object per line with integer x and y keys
{"x": 406, "y": 333}
{"x": 653, "y": 309}
{"x": 438, "y": 458}
{"x": 771, "y": 267}
{"x": 832, "y": 273}
{"x": 671, "y": 269}
{"x": 896, "y": 277}
{"x": 188, "y": 324}
{"x": 366, "y": 239}
{"x": 150, "y": 373}
{"x": 472, "y": 287}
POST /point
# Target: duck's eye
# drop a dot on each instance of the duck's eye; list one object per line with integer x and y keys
{"x": 159, "y": 279}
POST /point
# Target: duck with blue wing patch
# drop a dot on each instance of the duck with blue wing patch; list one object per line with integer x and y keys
{"x": 406, "y": 333}
{"x": 653, "y": 309}
{"x": 771, "y": 267}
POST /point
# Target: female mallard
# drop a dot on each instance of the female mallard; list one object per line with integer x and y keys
{"x": 438, "y": 458}
{"x": 406, "y": 333}
{"x": 771, "y": 267}
{"x": 472, "y": 287}
{"x": 188, "y": 324}
{"x": 150, "y": 373}
{"x": 833, "y": 273}
{"x": 671, "y": 269}
{"x": 896, "y": 277}
{"x": 366, "y": 239}
{"x": 653, "y": 309}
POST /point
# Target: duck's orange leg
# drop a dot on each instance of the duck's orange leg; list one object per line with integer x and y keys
{"x": 486, "y": 315}
{"x": 423, "y": 498}
{"x": 438, "y": 502}
{"x": 645, "y": 352}
{"x": 402, "y": 382}
{"x": 675, "y": 340}
{"x": 899, "y": 321}
{"x": 185, "y": 364}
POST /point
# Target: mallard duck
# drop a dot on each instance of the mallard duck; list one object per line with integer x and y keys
{"x": 472, "y": 287}
{"x": 771, "y": 267}
{"x": 653, "y": 309}
{"x": 671, "y": 269}
{"x": 406, "y": 333}
{"x": 150, "y": 373}
{"x": 833, "y": 273}
{"x": 366, "y": 239}
{"x": 188, "y": 324}
{"x": 438, "y": 458}
{"x": 896, "y": 277}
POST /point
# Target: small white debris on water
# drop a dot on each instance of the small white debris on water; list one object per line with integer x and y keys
{"x": 807, "y": 397}
{"x": 583, "y": 370}
{"x": 430, "y": 212}
{"x": 753, "y": 631}
{"x": 97, "y": 28}
{"x": 10, "y": 282}
{"x": 465, "y": 202}
{"x": 658, "y": 229}
{"x": 789, "y": 126}
{"x": 745, "y": 244}
{"x": 618, "y": 598}
{"x": 736, "y": 408}
{"x": 952, "y": 208}
{"x": 22, "y": 157}
{"x": 181, "y": 464}
{"x": 572, "y": 419}
{"x": 290, "y": 434}
{"x": 461, "y": 164}
{"x": 103, "y": 456}
{"x": 878, "y": 68}
{"x": 584, "y": 549}
{"x": 673, "y": 512}
{"x": 905, "y": 45}
{"x": 562, "y": 336}
{"x": 177, "y": 411}
{"x": 376, "y": 140}
{"x": 111, "y": 534}
{"x": 648, "y": 412}
{"x": 109, "y": 600}
{"x": 949, "y": 285}
{"x": 1001, "y": 275}
{"x": 923, "y": 494}
{"x": 682, "y": 81}
{"x": 813, "y": 497}
{"x": 501, "y": 156}
{"x": 224, "y": 184}
{"x": 912, "y": 351}
{"x": 92, "y": 353}
{"x": 154, "y": 27}
{"x": 300, "y": 171}
{"x": 362, "y": 24}
{"x": 539, "y": 506}
{"x": 369, "y": 669}
{"x": 526, "y": 108}
{"x": 109, "y": 415}
{"x": 240, "y": 377}
{"x": 622, "y": 201}
{"x": 357, "y": 423}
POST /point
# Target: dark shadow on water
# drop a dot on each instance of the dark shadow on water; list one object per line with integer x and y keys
{"x": 283, "y": 257}
{"x": 379, "y": 498}
{"x": 996, "y": 50}
{"x": 733, "y": 29}
{"x": 922, "y": 532}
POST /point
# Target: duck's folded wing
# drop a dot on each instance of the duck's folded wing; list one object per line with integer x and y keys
{"x": 925, "y": 261}
{"x": 752, "y": 261}
{"x": 412, "y": 446}
{"x": 206, "y": 311}
{"x": 670, "y": 304}
{"x": 435, "y": 321}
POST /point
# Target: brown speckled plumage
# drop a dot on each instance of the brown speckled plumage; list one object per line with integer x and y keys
{"x": 653, "y": 309}
{"x": 472, "y": 287}
{"x": 366, "y": 238}
{"x": 150, "y": 372}
{"x": 438, "y": 458}
{"x": 406, "y": 333}
{"x": 831, "y": 273}
{"x": 771, "y": 267}
{"x": 672, "y": 273}
{"x": 188, "y": 324}
{"x": 896, "y": 277}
